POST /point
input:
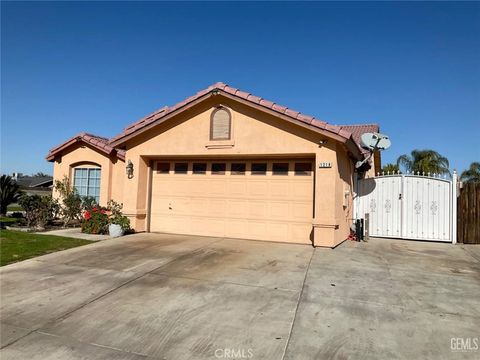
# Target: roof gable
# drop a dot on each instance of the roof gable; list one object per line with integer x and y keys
{"x": 97, "y": 142}
{"x": 149, "y": 121}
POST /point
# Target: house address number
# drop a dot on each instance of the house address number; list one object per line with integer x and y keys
{"x": 325, "y": 165}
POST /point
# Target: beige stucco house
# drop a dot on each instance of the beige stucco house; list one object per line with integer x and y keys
{"x": 225, "y": 163}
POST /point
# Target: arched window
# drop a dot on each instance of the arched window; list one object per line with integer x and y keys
{"x": 86, "y": 181}
{"x": 220, "y": 124}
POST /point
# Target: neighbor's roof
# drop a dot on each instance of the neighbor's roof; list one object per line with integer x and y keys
{"x": 97, "y": 142}
{"x": 358, "y": 130}
{"x": 34, "y": 181}
{"x": 220, "y": 87}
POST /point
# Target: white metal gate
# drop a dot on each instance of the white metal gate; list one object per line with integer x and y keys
{"x": 408, "y": 206}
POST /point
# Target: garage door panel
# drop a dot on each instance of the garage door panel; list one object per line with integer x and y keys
{"x": 278, "y": 230}
{"x": 237, "y": 188}
{"x": 301, "y": 190}
{"x": 301, "y": 211}
{"x": 279, "y": 210}
{"x": 172, "y": 224}
{"x": 215, "y": 227}
{"x": 236, "y": 227}
{"x": 215, "y": 207}
{"x": 201, "y": 187}
{"x": 279, "y": 188}
{"x": 196, "y": 206}
{"x": 196, "y": 227}
{"x": 257, "y": 209}
{"x": 217, "y": 187}
{"x": 180, "y": 186}
{"x": 257, "y": 188}
{"x": 257, "y": 229}
{"x": 261, "y": 207}
{"x": 180, "y": 206}
{"x": 238, "y": 208}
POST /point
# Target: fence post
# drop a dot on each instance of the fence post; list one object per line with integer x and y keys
{"x": 454, "y": 206}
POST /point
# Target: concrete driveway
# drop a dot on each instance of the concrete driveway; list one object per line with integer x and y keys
{"x": 155, "y": 296}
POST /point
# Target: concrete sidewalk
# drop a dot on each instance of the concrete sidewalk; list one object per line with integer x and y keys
{"x": 75, "y": 233}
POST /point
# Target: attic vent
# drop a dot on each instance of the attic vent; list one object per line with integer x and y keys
{"x": 220, "y": 124}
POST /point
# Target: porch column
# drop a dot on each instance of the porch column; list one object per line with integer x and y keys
{"x": 135, "y": 191}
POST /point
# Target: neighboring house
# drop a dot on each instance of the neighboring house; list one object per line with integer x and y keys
{"x": 225, "y": 163}
{"x": 34, "y": 185}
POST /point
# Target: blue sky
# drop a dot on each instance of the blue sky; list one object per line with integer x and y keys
{"x": 413, "y": 68}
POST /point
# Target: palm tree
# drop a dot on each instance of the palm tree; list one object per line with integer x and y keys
{"x": 424, "y": 161}
{"x": 390, "y": 168}
{"x": 472, "y": 174}
{"x": 9, "y": 193}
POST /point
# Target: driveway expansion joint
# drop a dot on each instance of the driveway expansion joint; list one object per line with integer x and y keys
{"x": 298, "y": 304}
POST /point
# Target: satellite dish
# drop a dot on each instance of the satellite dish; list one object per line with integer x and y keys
{"x": 375, "y": 141}
{"x": 372, "y": 142}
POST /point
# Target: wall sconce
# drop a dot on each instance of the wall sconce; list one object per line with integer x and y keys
{"x": 129, "y": 169}
{"x": 322, "y": 142}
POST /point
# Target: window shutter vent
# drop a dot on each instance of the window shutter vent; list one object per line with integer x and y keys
{"x": 220, "y": 125}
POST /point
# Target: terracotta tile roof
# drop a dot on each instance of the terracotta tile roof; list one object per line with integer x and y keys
{"x": 358, "y": 129}
{"x": 349, "y": 133}
{"x": 100, "y": 143}
{"x": 221, "y": 87}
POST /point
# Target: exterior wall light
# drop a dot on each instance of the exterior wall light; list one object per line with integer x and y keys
{"x": 129, "y": 169}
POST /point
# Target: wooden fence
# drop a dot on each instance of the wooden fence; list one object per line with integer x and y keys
{"x": 468, "y": 214}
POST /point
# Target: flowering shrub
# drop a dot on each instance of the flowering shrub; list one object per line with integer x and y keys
{"x": 96, "y": 218}
{"x": 95, "y": 221}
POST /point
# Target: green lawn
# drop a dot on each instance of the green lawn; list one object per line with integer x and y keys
{"x": 14, "y": 208}
{"x": 17, "y": 245}
{"x": 9, "y": 220}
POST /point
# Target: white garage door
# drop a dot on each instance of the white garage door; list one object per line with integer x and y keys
{"x": 257, "y": 199}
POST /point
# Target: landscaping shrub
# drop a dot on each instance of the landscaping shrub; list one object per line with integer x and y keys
{"x": 117, "y": 217}
{"x": 71, "y": 202}
{"x": 39, "y": 210}
{"x": 96, "y": 219}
